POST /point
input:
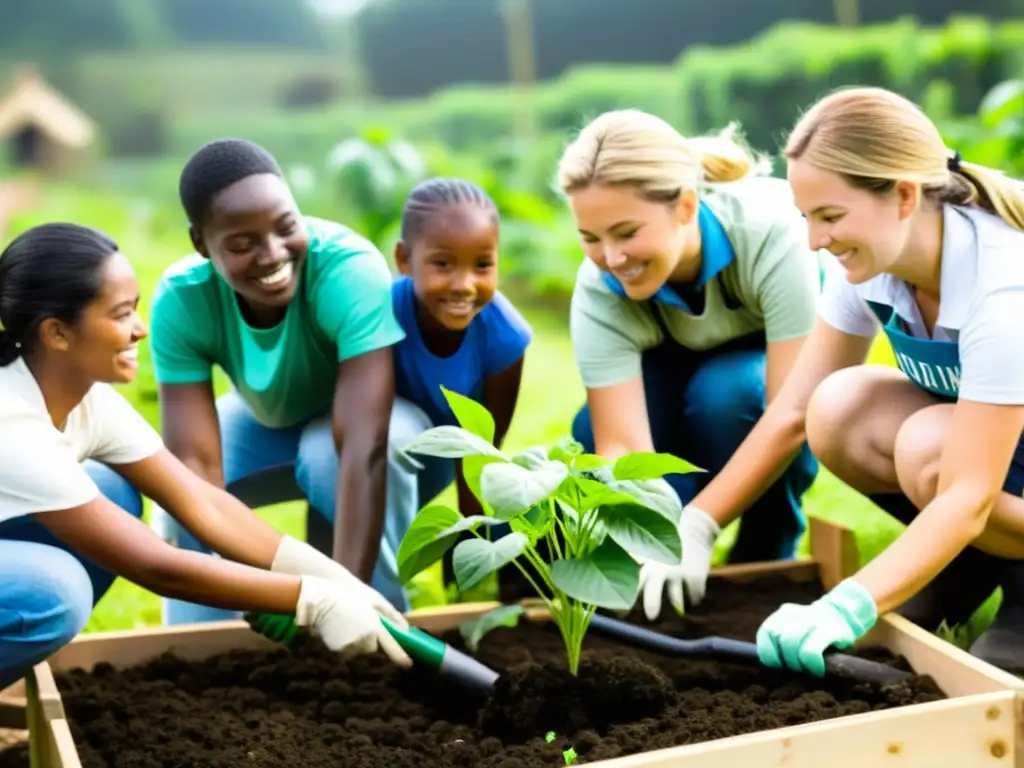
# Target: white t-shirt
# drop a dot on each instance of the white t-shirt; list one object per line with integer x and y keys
{"x": 975, "y": 351}
{"x": 40, "y": 466}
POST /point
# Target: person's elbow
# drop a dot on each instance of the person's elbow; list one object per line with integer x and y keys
{"x": 788, "y": 426}
{"x": 973, "y": 502}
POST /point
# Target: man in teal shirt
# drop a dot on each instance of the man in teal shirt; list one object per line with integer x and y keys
{"x": 297, "y": 312}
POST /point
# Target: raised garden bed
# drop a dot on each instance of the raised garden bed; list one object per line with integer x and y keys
{"x": 220, "y": 695}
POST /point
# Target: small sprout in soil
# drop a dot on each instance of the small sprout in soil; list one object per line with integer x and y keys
{"x": 549, "y": 736}
{"x": 569, "y": 756}
{"x": 595, "y": 516}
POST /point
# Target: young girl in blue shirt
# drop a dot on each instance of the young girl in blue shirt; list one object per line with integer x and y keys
{"x": 461, "y": 332}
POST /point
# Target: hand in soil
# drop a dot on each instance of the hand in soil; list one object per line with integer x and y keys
{"x": 796, "y": 636}
{"x": 309, "y": 708}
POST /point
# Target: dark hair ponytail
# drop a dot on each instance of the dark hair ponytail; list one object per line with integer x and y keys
{"x": 53, "y": 270}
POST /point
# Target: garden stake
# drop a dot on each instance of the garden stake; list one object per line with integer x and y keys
{"x": 838, "y": 664}
{"x": 452, "y": 665}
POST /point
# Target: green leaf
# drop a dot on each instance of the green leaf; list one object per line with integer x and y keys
{"x": 505, "y": 616}
{"x": 472, "y": 469}
{"x": 1003, "y": 101}
{"x": 421, "y": 546}
{"x": 535, "y": 523}
{"x": 468, "y": 524}
{"x": 651, "y": 466}
{"x": 510, "y": 489}
{"x": 531, "y": 458}
{"x": 590, "y": 461}
{"x": 564, "y": 450}
{"x": 653, "y": 494}
{"x": 474, "y": 559}
{"x": 643, "y": 532}
{"x": 608, "y": 578}
{"x": 597, "y": 494}
{"x": 451, "y": 443}
{"x": 472, "y": 416}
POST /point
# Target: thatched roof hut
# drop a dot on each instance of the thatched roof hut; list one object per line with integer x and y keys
{"x": 41, "y": 128}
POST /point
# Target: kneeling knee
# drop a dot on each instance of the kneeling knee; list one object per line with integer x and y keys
{"x": 831, "y": 414}
{"x": 60, "y": 607}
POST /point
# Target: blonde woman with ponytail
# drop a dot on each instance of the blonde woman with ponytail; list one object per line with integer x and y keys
{"x": 696, "y": 294}
{"x": 928, "y": 248}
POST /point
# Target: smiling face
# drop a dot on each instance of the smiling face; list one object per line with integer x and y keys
{"x": 866, "y": 230}
{"x": 640, "y": 242}
{"x": 453, "y": 263}
{"x": 103, "y": 344}
{"x": 255, "y": 237}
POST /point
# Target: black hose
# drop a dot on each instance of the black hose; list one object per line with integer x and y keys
{"x": 837, "y": 664}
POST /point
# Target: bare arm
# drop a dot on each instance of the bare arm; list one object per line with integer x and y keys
{"x": 363, "y": 399}
{"x": 979, "y": 447}
{"x": 212, "y": 515}
{"x": 189, "y": 425}
{"x": 618, "y": 416}
{"x": 118, "y": 542}
{"x": 774, "y": 441}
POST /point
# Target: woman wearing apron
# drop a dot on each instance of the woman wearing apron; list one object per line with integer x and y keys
{"x": 695, "y": 297}
{"x": 929, "y": 248}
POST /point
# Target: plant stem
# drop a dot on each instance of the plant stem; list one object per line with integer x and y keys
{"x": 533, "y": 584}
{"x": 542, "y": 569}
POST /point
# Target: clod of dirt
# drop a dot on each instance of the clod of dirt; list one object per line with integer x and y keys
{"x": 536, "y": 698}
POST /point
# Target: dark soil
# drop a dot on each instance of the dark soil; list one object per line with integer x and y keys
{"x": 306, "y": 708}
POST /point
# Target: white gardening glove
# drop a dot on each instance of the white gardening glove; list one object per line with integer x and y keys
{"x": 344, "y": 620}
{"x": 300, "y": 559}
{"x": 687, "y": 580}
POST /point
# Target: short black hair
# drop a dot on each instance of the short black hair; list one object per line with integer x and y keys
{"x": 52, "y": 270}
{"x": 215, "y": 167}
{"x": 432, "y": 194}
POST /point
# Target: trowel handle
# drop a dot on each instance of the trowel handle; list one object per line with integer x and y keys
{"x": 421, "y": 647}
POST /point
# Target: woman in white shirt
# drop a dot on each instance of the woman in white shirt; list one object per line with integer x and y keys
{"x": 929, "y": 249}
{"x": 73, "y": 452}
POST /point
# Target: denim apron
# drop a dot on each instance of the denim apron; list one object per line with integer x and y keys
{"x": 934, "y": 366}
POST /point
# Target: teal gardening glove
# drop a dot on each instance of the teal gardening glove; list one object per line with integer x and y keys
{"x": 796, "y": 636}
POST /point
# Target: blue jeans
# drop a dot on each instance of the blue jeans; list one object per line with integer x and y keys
{"x": 264, "y": 466}
{"x": 47, "y": 592}
{"x": 701, "y": 406}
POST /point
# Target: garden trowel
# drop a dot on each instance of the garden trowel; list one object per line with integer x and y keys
{"x": 837, "y": 664}
{"x": 454, "y": 666}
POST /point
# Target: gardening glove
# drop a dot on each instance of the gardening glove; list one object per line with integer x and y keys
{"x": 344, "y": 619}
{"x": 300, "y": 559}
{"x": 686, "y": 581}
{"x": 796, "y": 636}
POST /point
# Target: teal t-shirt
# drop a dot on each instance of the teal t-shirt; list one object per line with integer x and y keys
{"x": 286, "y": 374}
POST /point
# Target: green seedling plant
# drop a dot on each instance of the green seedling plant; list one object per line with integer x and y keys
{"x": 596, "y": 516}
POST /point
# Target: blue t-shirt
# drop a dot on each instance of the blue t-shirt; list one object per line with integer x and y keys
{"x": 496, "y": 338}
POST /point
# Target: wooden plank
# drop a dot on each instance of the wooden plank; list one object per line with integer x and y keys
{"x": 972, "y": 732}
{"x": 189, "y": 641}
{"x": 834, "y": 548}
{"x": 797, "y": 570}
{"x": 957, "y": 672}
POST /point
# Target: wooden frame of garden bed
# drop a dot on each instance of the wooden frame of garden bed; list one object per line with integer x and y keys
{"x": 979, "y": 725}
